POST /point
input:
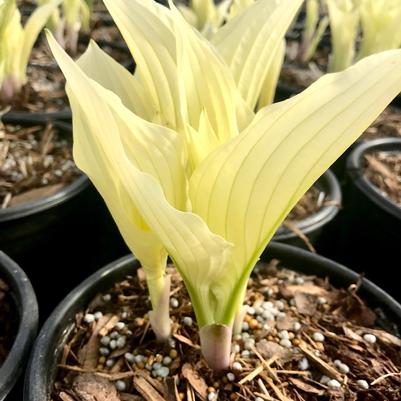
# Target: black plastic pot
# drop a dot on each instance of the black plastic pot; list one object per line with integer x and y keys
{"x": 45, "y": 236}
{"x": 355, "y": 170}
{"x": 314, "y": 225}
{"x": 23, "y": 226}
{"x": 48, "y": 348}
{"x": 371, "y": 227}
{"x": 26, "y": 308}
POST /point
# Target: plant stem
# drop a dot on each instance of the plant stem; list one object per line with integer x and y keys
{"x": 8, "y": 88}
{"x": 239, "y": 319}
{"x": 159, "y": 317}
{"x": 216, "y": 345}
{"x": 71, "y": 38}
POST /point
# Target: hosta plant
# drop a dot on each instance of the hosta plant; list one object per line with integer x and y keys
{"x": 186, "y": 166}
{"x": 207, "y": 16}
{"x": 376, "y": 22}
{"x": 344, "y": 24}
{"x": 271, "y": 56}
{"x": 16, "y": 42}
{"x": 380, "y": 26}
{"x": 313, "y": 31}
{"x": 67, "y": 21}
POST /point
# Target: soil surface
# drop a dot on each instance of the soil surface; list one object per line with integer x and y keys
{"x": 34, "y": 162}
{"x": 44, "y": 90}
{"x": 301, "y": 340}
{"x": 300, "y": 75}
{"x": 8, "y": 321}
{"x": 383, "y": 169}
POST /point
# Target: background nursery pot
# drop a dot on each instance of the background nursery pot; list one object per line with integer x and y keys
{"x": 371, "y": 229}
{"x": 27, "y": 310}
{"x": 49, "y": 345}
{"x": 314, "y": 225}
{"x": 45, "y": 234}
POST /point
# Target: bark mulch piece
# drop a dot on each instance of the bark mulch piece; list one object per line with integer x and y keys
{"x": 8, "y": 321}
{"x": 383, "y": 169}
{"x": 34, "y": 162}
{"x": 279, "y": 355}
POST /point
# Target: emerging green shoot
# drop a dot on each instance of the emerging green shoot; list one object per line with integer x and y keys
{"x": 381, "y": 26}
{"x": 313, "y": 30}
{"x": 207, "y": 16}
{"x": 16, "y": 42}
{"x": 183, "y": 162}
{"x": 272, "y": 52}
{"x": 67, "y": 21}
{"x": 377, "y": 21}
{"x": 344, "y": 23}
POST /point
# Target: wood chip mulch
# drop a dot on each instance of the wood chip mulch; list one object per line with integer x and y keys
{"x": 383, "y": 169}
{"x": 313, "y": 200}
{"x": 43, "y": 92}
{"x": 277, "y": 356}
{"x": 8, "y": 321}
{"x": 34, "y": 162}
{"x": 388, "y": 124}
{"x": 45, "y": 87}
{"x": 298, "y": 75}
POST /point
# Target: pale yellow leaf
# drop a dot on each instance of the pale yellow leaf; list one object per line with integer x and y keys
{"x": 136, "y": 165}
{"x": 246, "y": 187}
{"x": 207, "y": 83}
{"x": 251, "y": 42}
{"x": 33, "y": 26}
{"x": 147, "y": 28}
{"x": 99, "y": 66}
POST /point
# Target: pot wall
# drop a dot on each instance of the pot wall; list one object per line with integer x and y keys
{"x": 370, "y": 233}
{"x": 27, "y": 310}
{"x": 315, "y": 226}
{"x": 61, "y": 239}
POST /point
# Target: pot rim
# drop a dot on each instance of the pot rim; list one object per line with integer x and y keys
{"x": 39, "y": 117}
{"x": 27, "y": 308}
{"x": 58, "y": 325}
{"x": 355, "y": 171}
{"x": 330, "y": 184}
{"x": 64, "y": 194}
